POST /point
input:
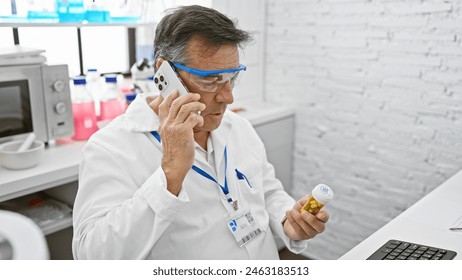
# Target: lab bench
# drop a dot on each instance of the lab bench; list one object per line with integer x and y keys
{"x": 57, "y": 174}
{"x": 427, "y": 222}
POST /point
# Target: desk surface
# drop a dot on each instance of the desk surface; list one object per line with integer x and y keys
{"x": 426, "y": 222}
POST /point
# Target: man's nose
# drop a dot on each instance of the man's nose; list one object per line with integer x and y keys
{"x": 225, "y": 95}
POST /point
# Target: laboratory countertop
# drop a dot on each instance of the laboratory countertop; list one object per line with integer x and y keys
{"x": 60, "y": 162}
{"x": 262, "y": 113}
{"x": 427, "y": 222}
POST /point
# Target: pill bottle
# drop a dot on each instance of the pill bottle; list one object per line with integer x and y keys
{"x": 320, "y": 196}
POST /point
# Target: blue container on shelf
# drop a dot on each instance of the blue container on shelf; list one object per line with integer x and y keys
{"x": 70, "y": 10}
{"x": 14, "y": 19}
{"x": 96, "y": 12}
{"x": 97, "y": 16}
{"x": 125, "y": 19}
{"x": 42, "y": 16}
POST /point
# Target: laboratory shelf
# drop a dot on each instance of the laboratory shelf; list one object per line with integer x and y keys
{"x": 59, "y": 165}
{"x": 15, "y": 26}
{"x": 58, "y": 225}
{"x": 73, "y": 24}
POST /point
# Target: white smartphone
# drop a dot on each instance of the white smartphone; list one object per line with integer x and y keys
{"x": 166, "y": 80}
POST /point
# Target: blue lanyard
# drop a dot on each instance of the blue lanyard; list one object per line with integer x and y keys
{"x": 201, "y": 172}
{"x": 208, "y": 176}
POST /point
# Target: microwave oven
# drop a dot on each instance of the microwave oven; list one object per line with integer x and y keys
{"x": 35, "y": 98}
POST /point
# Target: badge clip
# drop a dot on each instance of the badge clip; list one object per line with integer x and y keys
{"x": 234, "y": 204}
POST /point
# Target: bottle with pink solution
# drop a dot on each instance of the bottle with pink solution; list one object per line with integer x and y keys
{"x": 83, "y": 110}
{"x": 111, "y": 104}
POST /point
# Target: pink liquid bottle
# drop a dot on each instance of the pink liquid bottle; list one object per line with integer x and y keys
{"x": 111, "y": 103}
{"x": 83, "y": 110}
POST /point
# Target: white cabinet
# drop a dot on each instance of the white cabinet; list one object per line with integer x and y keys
{"x": 275, "y": 126}
{"x": 57, "y": 174}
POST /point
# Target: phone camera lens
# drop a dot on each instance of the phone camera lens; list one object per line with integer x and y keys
{"x": 160, "y": 87}
{"x": 156, "y": 80}
{"x": 161, "y": 78}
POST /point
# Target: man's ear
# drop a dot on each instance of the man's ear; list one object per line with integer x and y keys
{"x": 159, "y": 62}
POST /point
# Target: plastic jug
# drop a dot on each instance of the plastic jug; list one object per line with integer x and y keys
{"x": 83, "y": 110}
{"x": 111, "y": 100}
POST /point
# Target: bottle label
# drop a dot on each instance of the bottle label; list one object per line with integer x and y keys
{"x": 88, "y": 123}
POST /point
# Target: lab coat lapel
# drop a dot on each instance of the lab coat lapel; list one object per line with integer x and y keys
{"x": 202, "y": 163}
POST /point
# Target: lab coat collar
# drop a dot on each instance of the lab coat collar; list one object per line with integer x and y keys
{"x": 219, "y": 138}
{"x": 140, "y": 117}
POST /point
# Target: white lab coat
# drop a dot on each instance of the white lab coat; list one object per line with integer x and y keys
{"x": 124, "y": 211}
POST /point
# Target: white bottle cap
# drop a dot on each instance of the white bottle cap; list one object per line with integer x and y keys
{"x": 322, "y": 193}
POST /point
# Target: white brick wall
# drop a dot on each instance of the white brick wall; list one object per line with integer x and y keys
{"x": 378, "y": 89}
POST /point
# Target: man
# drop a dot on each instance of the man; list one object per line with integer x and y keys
{"x": 182, "y": 177}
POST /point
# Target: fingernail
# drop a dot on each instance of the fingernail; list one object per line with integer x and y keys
{"x": 322, "y": 216}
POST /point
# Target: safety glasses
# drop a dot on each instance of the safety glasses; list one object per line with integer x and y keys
{"x": 211, "y": 80}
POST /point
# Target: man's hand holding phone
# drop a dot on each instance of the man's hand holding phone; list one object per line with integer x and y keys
{"x": 178, "y": 116}
{"x": 177, "y": 110}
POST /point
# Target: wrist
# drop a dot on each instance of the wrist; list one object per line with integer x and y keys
{"x": 174, "y": 178}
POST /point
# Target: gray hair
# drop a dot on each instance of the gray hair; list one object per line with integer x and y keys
{"x": 176, "y": 29}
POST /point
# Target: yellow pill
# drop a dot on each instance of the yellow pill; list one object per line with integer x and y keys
{"x": 312, "y": 206}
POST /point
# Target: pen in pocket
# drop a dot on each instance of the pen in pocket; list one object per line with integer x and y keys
{"x": 241, "y": 176}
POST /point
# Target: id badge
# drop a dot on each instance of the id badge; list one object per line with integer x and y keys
{"x": 244, "y": 227}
